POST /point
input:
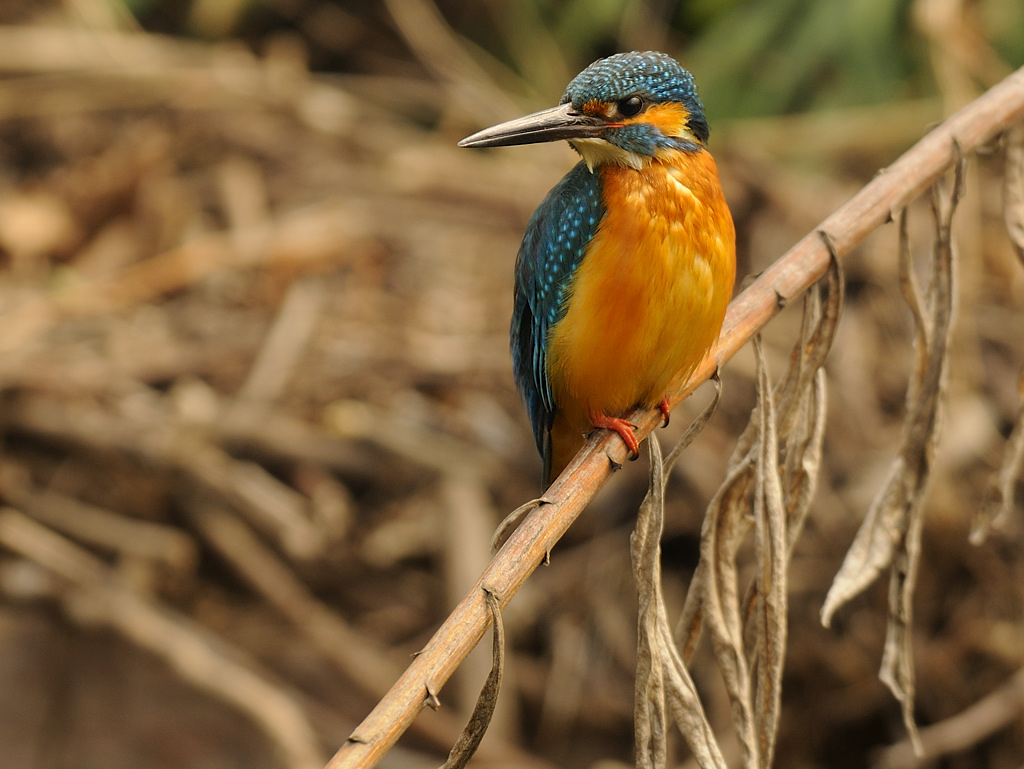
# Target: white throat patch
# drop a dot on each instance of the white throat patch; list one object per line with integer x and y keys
{"x": 598, "y": 152}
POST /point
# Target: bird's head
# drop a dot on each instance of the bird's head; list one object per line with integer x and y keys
{"x": 625, "y": 110}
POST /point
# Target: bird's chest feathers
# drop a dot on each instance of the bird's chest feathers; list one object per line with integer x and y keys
{"x": 648, "y": 298}
{"x": 654, "y": 238}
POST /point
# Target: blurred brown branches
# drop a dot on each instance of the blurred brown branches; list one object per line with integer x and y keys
{"x": 257, "y": 422}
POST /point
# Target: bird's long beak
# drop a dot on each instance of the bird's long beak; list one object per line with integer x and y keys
{"x": 561, "y": 122}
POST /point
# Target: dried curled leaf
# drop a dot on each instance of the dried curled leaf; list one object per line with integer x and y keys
{"x": 1013, "y": 188}
{"x": 996, "y": 514}
{"x": 891, "y": 532}
{"x": 663, "y": 684}
{"x": 649, "y": 720}
{"x": 769, "y": 484}
{"x": 770, "y": 605}
{"x": 469, "y": 740}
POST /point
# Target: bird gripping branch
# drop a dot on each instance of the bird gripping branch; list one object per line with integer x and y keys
{"x": 628, "y": 264}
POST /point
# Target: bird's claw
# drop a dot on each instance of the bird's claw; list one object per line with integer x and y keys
{"x": 666, "y": 411}
{"x": 626, "y": 431}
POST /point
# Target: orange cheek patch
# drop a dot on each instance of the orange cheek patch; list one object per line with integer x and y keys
{"x": 597, "y": 107}
{"x": 670, "y": 119}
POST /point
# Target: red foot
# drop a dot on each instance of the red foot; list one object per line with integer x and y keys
{"x": 665, "y": 409}
{"x": 625, "y": 430}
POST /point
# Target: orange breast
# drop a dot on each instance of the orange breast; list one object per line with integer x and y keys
{"x": 649, "y": 297}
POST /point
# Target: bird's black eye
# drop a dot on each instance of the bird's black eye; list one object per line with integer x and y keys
{"x": 631, "y": 106}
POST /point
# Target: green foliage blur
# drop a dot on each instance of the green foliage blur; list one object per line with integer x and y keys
{"x": 756, "y": 57}
{"x": 762, "y": 57}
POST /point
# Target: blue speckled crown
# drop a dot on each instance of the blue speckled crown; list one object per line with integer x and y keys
{"x": 653, "y": 75}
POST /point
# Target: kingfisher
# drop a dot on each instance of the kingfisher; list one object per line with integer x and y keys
{"x": 627, "y": 266}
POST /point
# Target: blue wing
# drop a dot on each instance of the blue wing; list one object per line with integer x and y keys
{"x": 554, "y": 244}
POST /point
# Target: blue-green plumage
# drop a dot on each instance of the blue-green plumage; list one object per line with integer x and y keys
{"x": 554, "y": 244}
{"x": 654, "y": 76}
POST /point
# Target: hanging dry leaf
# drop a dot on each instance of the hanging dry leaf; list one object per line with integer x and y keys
{"x": 891, "y": 533}
{"x": 469, "y": 740}
{"x": 769, "y": 618}
{"x": 1013, "y": 188}
{"x": 663, "y": 684}
{"x": 996, "y": 513}
{"x": 770, "y": 483}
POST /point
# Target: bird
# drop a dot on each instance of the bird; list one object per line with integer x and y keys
{"x": 627, "y": 266}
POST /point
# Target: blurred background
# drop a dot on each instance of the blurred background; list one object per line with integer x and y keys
{"x": 256, "y": 404}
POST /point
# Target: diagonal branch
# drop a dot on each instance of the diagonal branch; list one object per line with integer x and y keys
{"x": 972, "y": 127}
